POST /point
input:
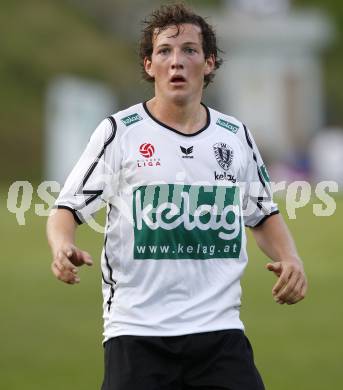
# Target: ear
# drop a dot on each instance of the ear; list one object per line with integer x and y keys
{"x": 148, "y": 66}
{"x": 209, "y": 64}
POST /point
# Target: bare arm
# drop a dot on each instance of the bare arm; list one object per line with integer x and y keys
{"x": 67, "y": 257}
{"x": 275, "y": 240}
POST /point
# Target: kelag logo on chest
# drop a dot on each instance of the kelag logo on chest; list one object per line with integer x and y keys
{"x": 186, "y": 222}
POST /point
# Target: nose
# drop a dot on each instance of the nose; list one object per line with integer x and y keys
{"x": 177, "y": 61}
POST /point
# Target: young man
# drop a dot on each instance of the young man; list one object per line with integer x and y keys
{"x": 176, "y": 176}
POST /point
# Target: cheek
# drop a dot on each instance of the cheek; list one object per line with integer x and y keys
{"x": 159, "y": 67}
{"x": 162, "y": 76}
{"x": 198, "y": 68}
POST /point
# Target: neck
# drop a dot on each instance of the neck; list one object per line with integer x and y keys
{"x": 187, "y": 118}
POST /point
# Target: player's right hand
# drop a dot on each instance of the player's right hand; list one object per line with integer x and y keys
{"x": 66, "y": 262}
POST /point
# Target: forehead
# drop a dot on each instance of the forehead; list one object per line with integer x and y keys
{"x": 178, "y": 34}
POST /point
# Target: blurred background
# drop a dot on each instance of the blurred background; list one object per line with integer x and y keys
{"x": 64, "y": 66}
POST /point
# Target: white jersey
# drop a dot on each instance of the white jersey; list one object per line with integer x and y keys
{"x": 175, "y": 243}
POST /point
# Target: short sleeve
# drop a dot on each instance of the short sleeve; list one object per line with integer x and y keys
{"x": 84, "y": 190}
{"x": 258, "y": 202}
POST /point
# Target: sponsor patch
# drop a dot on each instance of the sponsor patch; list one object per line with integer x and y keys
{"x": 224, "y": 176}
{"x": 131, "y": 119}
{"x": 227, "y": 125}
{"x": 188, "y": 222}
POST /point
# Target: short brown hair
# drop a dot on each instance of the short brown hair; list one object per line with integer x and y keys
{"x": 175, "y": 15}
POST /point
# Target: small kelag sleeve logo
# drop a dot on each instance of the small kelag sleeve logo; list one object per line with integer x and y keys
{"x": 227, "y": 125}
{"x": 131, "y": 119}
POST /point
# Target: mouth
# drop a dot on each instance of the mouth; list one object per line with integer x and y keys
{"x": 177, "y": 80}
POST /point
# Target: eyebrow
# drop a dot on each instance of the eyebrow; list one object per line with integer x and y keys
{"x": 185, "y": 43}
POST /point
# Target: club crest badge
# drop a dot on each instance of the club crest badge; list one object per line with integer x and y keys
{"x": 223, "y": 154}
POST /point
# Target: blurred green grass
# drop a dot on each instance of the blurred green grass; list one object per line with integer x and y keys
{"x": 51, "y": 333}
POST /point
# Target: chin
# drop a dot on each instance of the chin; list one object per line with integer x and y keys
{"x": 180, "y": 97}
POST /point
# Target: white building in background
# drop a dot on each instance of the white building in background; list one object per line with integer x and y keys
{"x": 74, "y": 108}
{"x": 260, "y": 7}
{"x": 272, "y": 76}
{"x": 326, "y": 153}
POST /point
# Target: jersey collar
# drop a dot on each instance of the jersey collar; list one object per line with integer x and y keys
{"x": 208, "y": 121}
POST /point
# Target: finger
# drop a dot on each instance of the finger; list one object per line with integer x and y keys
{"x": 301, "y": 291}
{"x": 304, "y": 289}
{"x": 295, "y": 295}
{"x": 274, "y": 267}
{"x": 64, "y": 262}
{"x": 74, "y": 256}
{"x": 58, "y": 265}
{"x": 282, "y": 281}
{"x": 79, "y": 257}
{"x": 70, "y": 252}
{"x": 64, "y": 276}
{"x": 55, "y": 270}
{"x": 73, "y": 281}
{"x": 289, "y": 288}
{"x": 87, "y": 258}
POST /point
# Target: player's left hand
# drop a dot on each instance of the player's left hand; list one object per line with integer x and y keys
{"x": 291, "y": 286}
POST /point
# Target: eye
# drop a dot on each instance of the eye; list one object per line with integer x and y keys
{"x": 190, "y": 50}
{"x": 164, "y": 51}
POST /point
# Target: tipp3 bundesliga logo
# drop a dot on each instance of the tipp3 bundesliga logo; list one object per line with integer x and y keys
{"x": 147, "y": 150}
{"x": 186, "y": 222}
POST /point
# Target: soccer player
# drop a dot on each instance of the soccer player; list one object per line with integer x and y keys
{"x": 180, "y": 181}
